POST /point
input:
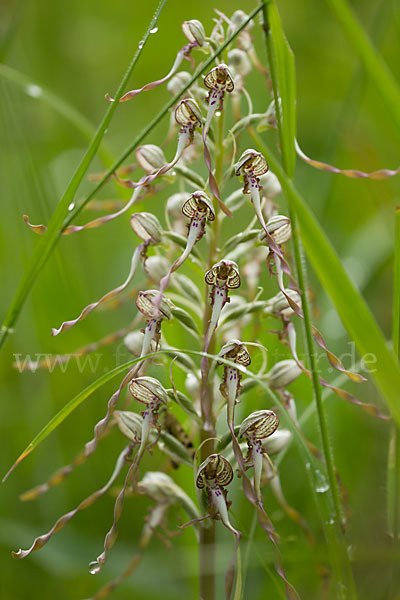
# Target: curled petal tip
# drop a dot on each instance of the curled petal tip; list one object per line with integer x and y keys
{"x": 54, "y": 331}
{"x": 18, "y": 554}
{"x": 108, "y": 97}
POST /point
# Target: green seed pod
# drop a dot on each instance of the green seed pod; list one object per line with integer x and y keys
{"x": 144, "y": 302}
{"x": 147, "y": 227}
{"x": 194, "y": 31}
{"x": 198, "y": 203}
{"x": 150, "y": 157}
{"x": 215, "y": 469}
{"x": 187, "y": 113}
{"x": 283, "y": 373}
{"x": 259, "y": 425}
{"x": 147, "y": 390}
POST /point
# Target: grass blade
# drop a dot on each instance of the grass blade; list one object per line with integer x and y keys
{"x": 282, "y": 69}
{"x": 378, "y": 71}
{"x": 349, "y": 304}
{"x": 46, "y": 243}
{"x": 60, "y": 106}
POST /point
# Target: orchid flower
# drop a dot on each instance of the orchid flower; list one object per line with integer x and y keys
{"x": 150, "y": 392}
{"x": 223, "y": 276}
{"x": 194, "y": 32}
{"x": 230, "y": 386}
{"x": 213, "y": 475}
{"x": 199, "y": 209}
{"x": 218, "y": 81}
{"x": 147, "y": 227}
{"x": 145, "y": 303}
{"x": 256, "y": 427}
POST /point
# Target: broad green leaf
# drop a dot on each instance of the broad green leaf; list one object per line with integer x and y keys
{"x": 281, "y": 63}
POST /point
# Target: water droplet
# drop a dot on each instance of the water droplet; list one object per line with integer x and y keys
{"x": 154, "y": 30}
{"x": 308, "y": 465}
{"x": 322, "y": 485}
{"x": 173, "y": 173}
{"x": 218, "y": 113}
{"x": 141, "y": 44}
{"x": 71, "y": 206}
{"x": 34, "y": 90}
{"x": 94, "y": 567}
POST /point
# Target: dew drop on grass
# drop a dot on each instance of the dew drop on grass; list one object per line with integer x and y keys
{"x": 94, "y": 567}
{"x": 71, "y": 206}
{"x": 322, "y": 485}
{"x": 33, "y": 90}
{"x": 154, "y": 30}
{"x": 141, "y": 44}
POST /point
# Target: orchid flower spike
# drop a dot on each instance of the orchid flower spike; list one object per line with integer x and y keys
{"x": 213, "y": 475}
{"x": 194, "y": 32}
{"x": 223, "y": 276}
{"x": 255, "y": 428}
{"x": 235, "y": 351}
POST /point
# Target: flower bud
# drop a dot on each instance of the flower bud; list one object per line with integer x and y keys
{"x": 147, "y": 227}
{"x": 197, "y": 203}
{"x": 175, "y": 203}
{"x": 144, "y": 302}
{"x": 259, "y": 425}
{"x": 178, "y": 82}
{"x": 194, "y": 31}
{"x": 270, "y": 184}
{"x": 214, "y": 469}
{"x": 279, "y": 229}
{"x": 239, "y": 17}
{"x": 283, "y": 373}
{"x": 133, "y": 341}
{"x": 147, "y": 390}
{"x": 187, "y": 113}
{"x": 279, "y": 305}
{"x": 225, "y": 270}
{"x": 130, "y": 425}
{"x": 164, "y": 490}
{"x": 150, "y": 157}
{"x": 156, "y": 267}
{"x": 238, "y": 62}
{"x": 277, "y": 442}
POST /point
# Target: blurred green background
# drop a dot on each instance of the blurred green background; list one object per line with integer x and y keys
{"x": 79, "y": 51}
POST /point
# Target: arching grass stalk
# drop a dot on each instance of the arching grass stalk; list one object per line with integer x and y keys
{"x": 62, "y": 217}
{"x": 44, "y": 247}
